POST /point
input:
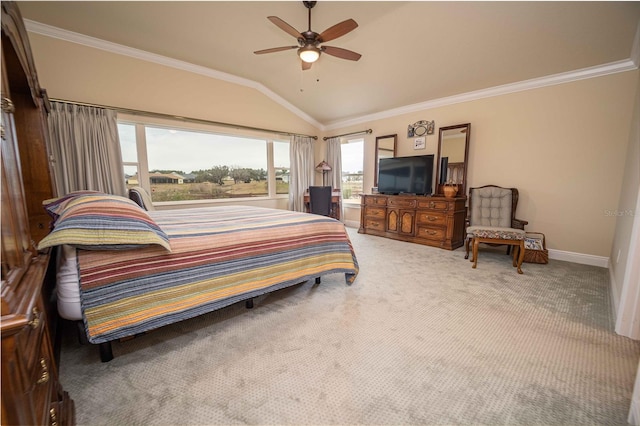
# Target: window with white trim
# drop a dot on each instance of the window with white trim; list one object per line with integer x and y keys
{"x": 183, "y": 164}
{"x": 352, "y": 152}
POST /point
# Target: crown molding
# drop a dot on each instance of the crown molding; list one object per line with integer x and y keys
{"x": 591, "y": 72}
{"x": 536, "y": 83}
{"x": 96, "y": 43}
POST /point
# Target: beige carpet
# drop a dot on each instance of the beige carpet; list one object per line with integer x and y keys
{"x": 419, "y": 338}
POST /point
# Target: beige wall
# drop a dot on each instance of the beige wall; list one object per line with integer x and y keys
{"x": 562, "y": 146}
{"x": 83, "y": 74}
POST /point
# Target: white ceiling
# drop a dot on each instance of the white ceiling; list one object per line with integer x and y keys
{"x": 412, "y": 52}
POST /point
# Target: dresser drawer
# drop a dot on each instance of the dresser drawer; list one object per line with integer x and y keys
{"x": 432, "y": 218}
{"x": 42, "y": 382}
{"x": 28, "y": 339}
{"x": 375, "y": 201}
{"x": 431, "y": 233}
{"x": 375, "y": 212}
{"x": 402, "y": 202}
{"x": 433, "y": 204}
{"x": 377, "y": 224}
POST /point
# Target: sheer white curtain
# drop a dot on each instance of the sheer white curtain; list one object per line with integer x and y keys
{"x": 302, "y": 169}
{"x": 334, "y": 158}
{"x": 85, "y": 147}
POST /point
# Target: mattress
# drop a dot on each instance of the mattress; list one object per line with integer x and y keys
{"x": 67, "y": 284}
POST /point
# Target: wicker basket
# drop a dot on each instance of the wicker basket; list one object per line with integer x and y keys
{"x": 532, "y": 255}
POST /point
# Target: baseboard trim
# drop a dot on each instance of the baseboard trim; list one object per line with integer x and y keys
{"x": 567, "y": 256}
{"x": 352, "y": 223}
{"x": 584, "y": 259}
{"x": 615, "y": 297}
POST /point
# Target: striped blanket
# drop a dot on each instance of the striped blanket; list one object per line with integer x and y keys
{"x": 219, "y": 256}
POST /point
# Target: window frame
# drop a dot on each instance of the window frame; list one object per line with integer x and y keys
{"x": 142, "y": 164}
{"x": 346, "y": 141}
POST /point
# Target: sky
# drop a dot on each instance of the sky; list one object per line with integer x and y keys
{"x": 186, "y": 151}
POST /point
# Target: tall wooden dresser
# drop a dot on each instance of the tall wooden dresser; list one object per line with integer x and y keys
{"x": 31, "y": 393}
{"x": 433, "y": 221}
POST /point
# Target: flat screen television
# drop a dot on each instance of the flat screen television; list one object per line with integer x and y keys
{"x": 406, "y": 175}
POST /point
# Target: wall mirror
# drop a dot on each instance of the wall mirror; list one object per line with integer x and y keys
{"x": 453, "y": 153}
{"x": 385, "y": 148}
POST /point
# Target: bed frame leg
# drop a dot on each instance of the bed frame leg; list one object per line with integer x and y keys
{"x": 106, "y": 354}
{"x": 248, "y": 303}
{"x": 317, "y": 280}
{"x": 82, "y": 334}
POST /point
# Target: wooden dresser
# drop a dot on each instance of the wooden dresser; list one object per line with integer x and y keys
{"x": 31, "y": 393}
{"x": 434, "y": 221}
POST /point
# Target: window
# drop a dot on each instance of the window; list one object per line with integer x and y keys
{"x": 281, "y": 166}
{"x": 127, "y": 134}
{"x": 182, "y": 164}
{"x": 352, "y": 153}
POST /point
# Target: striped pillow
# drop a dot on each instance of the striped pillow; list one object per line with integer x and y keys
{"x": 104, "y": 222}
{"x": 55, "y": 205}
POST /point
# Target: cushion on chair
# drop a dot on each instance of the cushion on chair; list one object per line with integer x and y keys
{"x": 494, "y": 232}
{"x": 491, "y": 207}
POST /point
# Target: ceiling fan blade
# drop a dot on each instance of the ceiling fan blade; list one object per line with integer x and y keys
{"x": 285, "y": 27}
{"x": 341, "y": 53}
{"x": 338, "y": 30}
{"x": 306, "y": 65}
{"x": 275, "y": 49}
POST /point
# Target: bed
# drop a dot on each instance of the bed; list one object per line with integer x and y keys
{"x": 123, "y": 271}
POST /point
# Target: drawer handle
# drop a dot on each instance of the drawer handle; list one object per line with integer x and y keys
{"x": 431, "y": 232}
{"x": 35, "y": 322}
{"x": 432, "y": 204}
{"x": 432, "y": 218}
{"x": 44, "y": 376}
{"x": 53, "y": 417}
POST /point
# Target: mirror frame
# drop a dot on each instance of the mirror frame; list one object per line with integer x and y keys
{"x": 462, "y": 188}
{"x": 377, "y": 160}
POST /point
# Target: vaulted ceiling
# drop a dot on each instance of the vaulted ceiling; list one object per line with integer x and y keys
{"x": 412, "y": 52}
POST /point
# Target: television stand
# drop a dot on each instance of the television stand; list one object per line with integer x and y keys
{"x": 430, "y": 220}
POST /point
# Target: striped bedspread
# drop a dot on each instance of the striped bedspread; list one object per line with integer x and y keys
{"x": 219, "y": 255}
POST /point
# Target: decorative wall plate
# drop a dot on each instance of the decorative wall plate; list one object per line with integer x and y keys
{"x": 420, "y": 128}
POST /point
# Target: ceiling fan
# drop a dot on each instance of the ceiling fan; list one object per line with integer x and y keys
{"x": 309, "y": 48}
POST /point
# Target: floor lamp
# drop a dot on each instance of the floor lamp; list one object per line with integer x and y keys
{"x": 324, "y": 167}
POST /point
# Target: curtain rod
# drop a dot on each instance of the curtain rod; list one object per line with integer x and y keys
{"x": 368, "y": 131}
{"x": 177, "y": 117}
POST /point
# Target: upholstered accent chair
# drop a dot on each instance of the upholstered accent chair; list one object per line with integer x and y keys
{"x": 141, "y": 197}
{"x": 492, "y": 220}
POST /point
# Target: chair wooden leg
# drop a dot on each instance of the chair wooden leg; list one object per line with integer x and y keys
{"x": 466, "y": 244}
{"x": 515, "y": 256}
{"x": 520, "y": 256}
{"x": 475, "y": 253}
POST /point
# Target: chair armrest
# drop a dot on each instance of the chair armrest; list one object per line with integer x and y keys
{"x": 518, "y": 224}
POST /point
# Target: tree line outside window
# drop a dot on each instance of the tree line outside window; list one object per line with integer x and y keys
{"x": 177, "y": 164}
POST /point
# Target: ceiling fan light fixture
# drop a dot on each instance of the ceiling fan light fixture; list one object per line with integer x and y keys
{"x": 309, "y": 53}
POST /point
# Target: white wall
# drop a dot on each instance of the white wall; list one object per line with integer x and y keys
{"x": 625, "y": 251}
